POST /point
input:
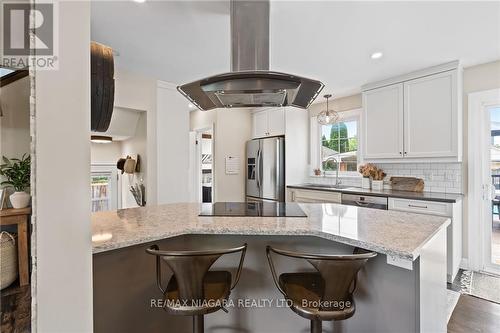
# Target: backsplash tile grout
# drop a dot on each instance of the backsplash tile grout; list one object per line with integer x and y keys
{"x": 438, "y": 177}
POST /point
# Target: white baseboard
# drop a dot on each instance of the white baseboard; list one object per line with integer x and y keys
{"x": 464, "y": 263}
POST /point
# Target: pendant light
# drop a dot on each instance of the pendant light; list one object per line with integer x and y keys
{"x": 328, "y": 117}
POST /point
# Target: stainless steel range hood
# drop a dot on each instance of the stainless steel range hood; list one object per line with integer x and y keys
{"x": 250, "y": 83}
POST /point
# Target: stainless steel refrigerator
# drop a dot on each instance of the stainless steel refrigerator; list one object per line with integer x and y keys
{"x": 266, "y": 169}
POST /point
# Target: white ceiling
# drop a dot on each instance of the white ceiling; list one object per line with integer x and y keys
{"x": 330, "y": 41}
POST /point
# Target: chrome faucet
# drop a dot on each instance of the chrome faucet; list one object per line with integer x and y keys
{"x": 330, "y": 158}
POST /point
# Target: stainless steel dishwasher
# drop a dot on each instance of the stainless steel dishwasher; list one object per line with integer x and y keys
{"x": 366, "y": 201}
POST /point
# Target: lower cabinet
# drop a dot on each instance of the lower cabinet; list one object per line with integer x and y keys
{"x": 454, "y": 231}
{"x": 312, "y": 196}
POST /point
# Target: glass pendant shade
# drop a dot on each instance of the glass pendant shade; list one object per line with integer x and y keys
{"x": 328, "y": 117}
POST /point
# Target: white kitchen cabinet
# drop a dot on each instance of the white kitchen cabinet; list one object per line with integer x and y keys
{"x": 270, "y": 122}
{"x": 415, "y": 117}
{"x": 260, "y": 124}
{"x": 382, "y": 120}
{"x": 313, "y": 196}
{"x": 430, "y": 112}
{"x": 454, "y": 230}
{"x": 276, "y": 122}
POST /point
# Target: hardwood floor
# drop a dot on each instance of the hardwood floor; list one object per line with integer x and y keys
{"x": 15, "y": 309}
{"x": 473, "y": 314}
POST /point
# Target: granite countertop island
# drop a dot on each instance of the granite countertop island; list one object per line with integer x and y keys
{"x": 402, "y": 289}
{"x": 395, "y": 234}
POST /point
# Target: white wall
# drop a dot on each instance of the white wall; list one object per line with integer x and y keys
{"x": 172, "y": 121}
{"x": 105, "y": 152}
{"x": 202, "y": 119}
{"x": 233, "y": 128}
{"x": 340, "y": 104}
{"x": 133, "y": 146}
{"x": 15, "y": 123}
{"x": 137, "y": 92}
{"x": 62, "y": 246}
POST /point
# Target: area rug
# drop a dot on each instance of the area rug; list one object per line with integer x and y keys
{"x": 481, "y": 285}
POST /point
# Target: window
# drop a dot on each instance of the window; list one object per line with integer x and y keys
{"x": 337, "y": 142}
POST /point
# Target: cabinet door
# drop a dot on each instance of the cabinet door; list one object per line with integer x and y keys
{"x": 276, "y": 122}
{"x": 383, "y": 122}
{"x": 260, "y": 121}
{"x": 313, "y": 196}
{"x": 430, "y": 116}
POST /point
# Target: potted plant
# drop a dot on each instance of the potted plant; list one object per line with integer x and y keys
{"x": 365, "y": 171}
{"x": 378, "y": 176}
{"x": 17, "y": 175}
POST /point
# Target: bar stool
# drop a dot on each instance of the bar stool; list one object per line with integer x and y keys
{"x": 193, "y": 290}
{"x": 322, "y": 295}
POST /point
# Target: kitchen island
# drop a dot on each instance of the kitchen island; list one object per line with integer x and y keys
{"x": 402, "y": 290}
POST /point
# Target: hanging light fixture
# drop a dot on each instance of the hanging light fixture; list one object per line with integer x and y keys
{"x": 328, "y": 117}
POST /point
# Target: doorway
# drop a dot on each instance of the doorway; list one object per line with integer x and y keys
{"x": 203, "y": 165}
{"x": 206, "y": 165}
{"x": 484, "y": 181}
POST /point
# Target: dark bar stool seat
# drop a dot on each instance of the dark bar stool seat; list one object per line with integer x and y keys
{"x": 325, "y": 295}
{"x": 193, "y": 290}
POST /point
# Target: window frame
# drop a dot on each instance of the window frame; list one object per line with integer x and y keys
{"x": 316, "y": 142}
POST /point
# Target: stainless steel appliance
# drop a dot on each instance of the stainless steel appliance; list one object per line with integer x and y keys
{"x": 266, "y": 169}
{"x": 250, "y": 82}
{"x": 365, "y": 201}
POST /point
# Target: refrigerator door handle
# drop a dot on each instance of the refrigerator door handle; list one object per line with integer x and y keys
{"x": 257, "y": 169}
{"x": 277, "y": 188}
{"x": 261, "y": 171}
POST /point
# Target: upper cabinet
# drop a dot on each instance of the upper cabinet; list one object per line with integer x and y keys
{"x": 430, "y": 116}
{"x": 414, "y": 117}
{"x": 383, "y": 116}
{"x": 270, "y": 122}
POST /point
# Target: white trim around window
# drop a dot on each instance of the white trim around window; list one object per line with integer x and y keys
{"x": 315, "y": 141}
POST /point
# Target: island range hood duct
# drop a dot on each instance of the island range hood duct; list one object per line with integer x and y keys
{"x": 250, "y": 83}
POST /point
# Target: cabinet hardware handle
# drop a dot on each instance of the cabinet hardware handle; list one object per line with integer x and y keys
{"x": 406, "y": 153}
{"x": 415, "y": 206}
{"x": 400, "y": 153}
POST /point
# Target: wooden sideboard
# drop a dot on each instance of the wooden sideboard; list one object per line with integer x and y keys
{"x": 19, "y": 217}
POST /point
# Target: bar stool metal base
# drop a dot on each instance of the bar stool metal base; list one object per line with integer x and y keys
{"x": 316, "y": 326}
{"x": 198, "y": 324}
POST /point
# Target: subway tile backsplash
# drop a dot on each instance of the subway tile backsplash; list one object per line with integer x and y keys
{"x": 438, "y": 177}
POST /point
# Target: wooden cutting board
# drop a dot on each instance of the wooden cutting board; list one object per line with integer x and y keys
{"x": 407, "y": 184}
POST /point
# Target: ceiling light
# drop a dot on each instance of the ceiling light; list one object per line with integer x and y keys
{"x": 376, "y": 55}
{"x": 328, "y": 117}
{"x": 101, "y": 139}
{"x": 139, "y": 1}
